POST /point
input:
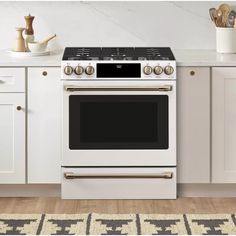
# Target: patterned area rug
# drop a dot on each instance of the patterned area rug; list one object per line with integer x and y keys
{"x": 117, "y": 224}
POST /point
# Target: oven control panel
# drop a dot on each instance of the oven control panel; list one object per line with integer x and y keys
{"x": 72, "y": 70}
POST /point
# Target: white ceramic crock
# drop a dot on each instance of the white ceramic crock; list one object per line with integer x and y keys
{"x": 225, "y": 40}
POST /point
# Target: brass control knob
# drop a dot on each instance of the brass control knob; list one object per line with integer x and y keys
{"x": 79, "y": 70}
{"x": 169, "y": 70}
{"x": 158, "y": 70}
{"x": 68, "y": 70}
{"x": 147, "y": 70}
{"x": 89, "y": 70}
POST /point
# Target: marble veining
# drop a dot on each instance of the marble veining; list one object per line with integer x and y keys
{"x": 180, "y": 25}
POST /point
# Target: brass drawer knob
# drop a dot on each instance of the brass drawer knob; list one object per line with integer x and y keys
{"x": 18, "y": 108}
{"x": 192, "y": 72}
{"x": 45, "y": 73}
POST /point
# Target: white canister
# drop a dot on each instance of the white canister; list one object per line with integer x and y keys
{"x": 225, "y": 40}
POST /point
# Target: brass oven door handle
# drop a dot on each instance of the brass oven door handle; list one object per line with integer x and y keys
{"x": 164, "y": 175}
{"x": 162, "y": 88}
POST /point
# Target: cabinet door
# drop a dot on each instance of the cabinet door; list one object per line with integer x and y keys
{"x": 44, "y": 125}
{"x": 224, "y": 125}
{"x": 193, "y": 124}
{"x": 12, "y": 138}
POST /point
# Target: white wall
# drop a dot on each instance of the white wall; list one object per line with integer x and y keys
{"x": 181, "y": 25}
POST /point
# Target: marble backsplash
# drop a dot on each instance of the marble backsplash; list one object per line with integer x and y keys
{"x": 180, "y": 25}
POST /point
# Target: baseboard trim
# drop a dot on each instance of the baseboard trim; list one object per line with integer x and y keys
{"x": 54, "y": 190}
{"x": 30, "y": 190}
{"x": 206, "y": 190}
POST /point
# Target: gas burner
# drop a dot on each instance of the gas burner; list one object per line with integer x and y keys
{"x": 82, "y": 54}
{"x": 117, "y": 54}
{"x": 162, "y": 54}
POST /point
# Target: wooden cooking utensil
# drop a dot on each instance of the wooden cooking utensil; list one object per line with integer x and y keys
{"x": 219, "y": 14}
{"x": 225, "y": 9}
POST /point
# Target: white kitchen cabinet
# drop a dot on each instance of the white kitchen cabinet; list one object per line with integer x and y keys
{"x": 44, "y": 159}
{"x": 12, "y": 138}
{"x": 224, "y": 125}
{"x": 193, "y": 124}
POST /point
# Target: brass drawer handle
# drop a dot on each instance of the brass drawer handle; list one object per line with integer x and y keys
{"x": 163, "y": 88}
{"x": 164, "y": 175}
{"x": 192, "y": 72}
{"x": 45, "y": 73}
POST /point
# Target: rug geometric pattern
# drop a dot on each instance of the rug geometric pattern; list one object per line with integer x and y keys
{"x": 117, "y": 224}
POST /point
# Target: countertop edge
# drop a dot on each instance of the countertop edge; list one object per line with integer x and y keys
{"x": 184, "y": 58}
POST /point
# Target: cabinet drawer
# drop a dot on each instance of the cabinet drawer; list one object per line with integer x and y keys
{"x": 12, "y": 80}
{"x": 118, "y": 188}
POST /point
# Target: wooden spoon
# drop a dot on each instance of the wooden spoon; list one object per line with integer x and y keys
{"x": 219, "y": 14}
{"x": 225, "y": 9}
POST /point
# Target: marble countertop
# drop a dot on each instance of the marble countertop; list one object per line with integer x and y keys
{"x": 203, "y": 58}
{"x": 183, "y": 58}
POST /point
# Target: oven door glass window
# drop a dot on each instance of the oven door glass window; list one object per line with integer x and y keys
{"x": 118, "y": 122}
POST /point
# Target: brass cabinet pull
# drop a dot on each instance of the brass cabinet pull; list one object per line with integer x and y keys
{"x": 18, "y": 108}
{"x": 163, "y": 88}
{"x": 164, "y": 175}
{"x": 45, "y": 73}
{"x": 192, "y": 72}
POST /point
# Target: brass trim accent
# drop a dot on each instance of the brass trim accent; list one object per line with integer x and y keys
{"x": 163, "y": 88}
{"x": 192, "y": 72}
{"x": 164, "y": 175}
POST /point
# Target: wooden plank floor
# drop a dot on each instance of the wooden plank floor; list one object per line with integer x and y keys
{"x": 56, "y": 205}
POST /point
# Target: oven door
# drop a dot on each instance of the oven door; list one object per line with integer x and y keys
{"x": 119, "y": 123}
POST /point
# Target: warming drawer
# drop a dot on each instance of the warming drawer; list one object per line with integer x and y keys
{"x": 119, "y": 183}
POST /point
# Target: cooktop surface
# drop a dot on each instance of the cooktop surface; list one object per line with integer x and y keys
{"x": 117, "y": 53}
